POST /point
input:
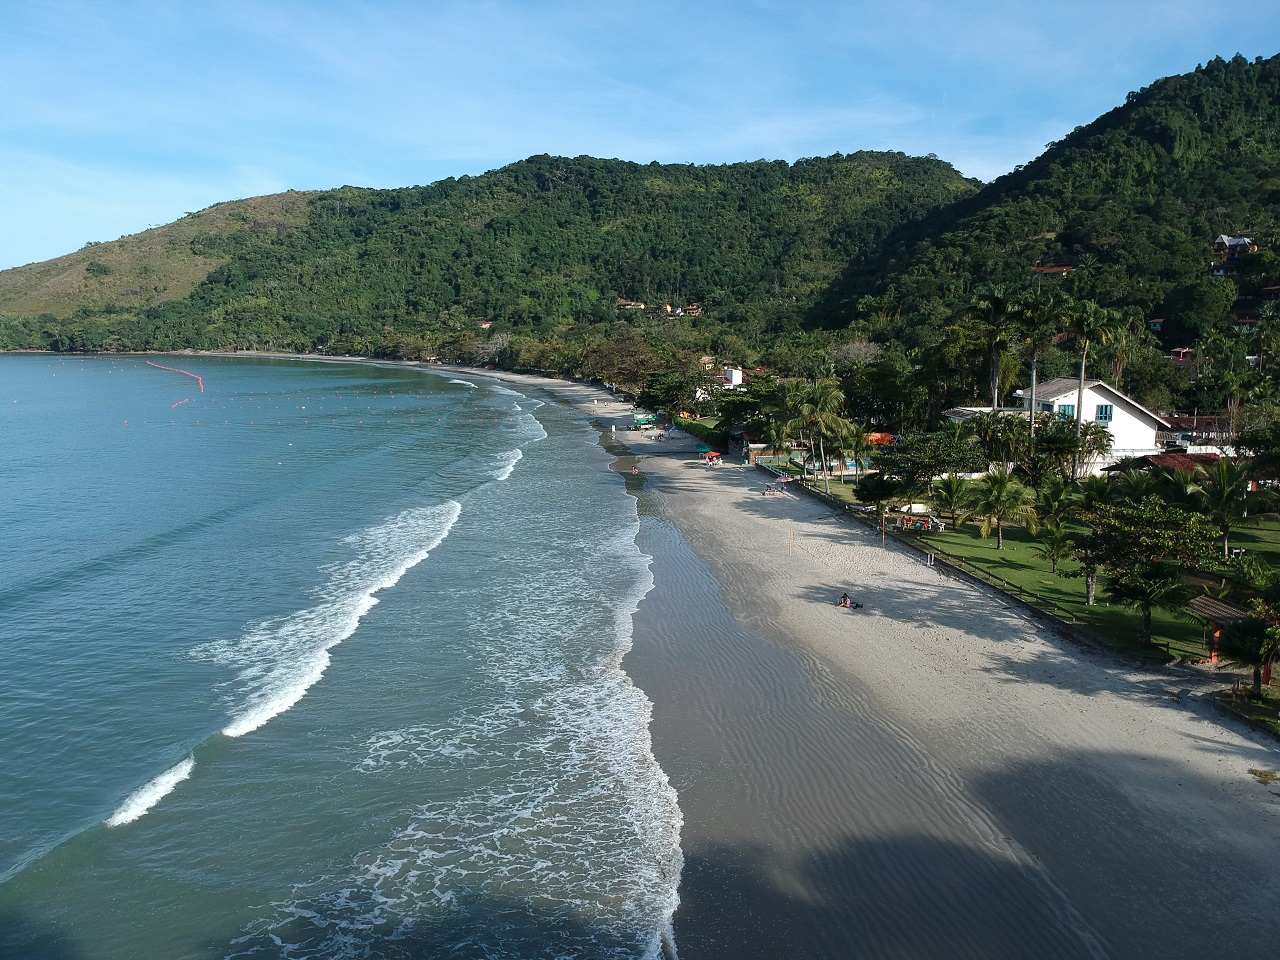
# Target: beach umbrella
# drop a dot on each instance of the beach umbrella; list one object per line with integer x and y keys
{"x": 711, "y": 453}
{"x": 784, "y": 479}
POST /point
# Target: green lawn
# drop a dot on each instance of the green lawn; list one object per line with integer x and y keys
{"x": 1029, "y": 576}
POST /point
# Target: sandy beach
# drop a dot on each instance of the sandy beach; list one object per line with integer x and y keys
{"x": 933, "y": 775}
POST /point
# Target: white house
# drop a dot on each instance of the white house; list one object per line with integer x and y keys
{"x": 1132, "y": 426}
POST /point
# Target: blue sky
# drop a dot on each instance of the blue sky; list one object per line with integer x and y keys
{"x": 116, "y": 116}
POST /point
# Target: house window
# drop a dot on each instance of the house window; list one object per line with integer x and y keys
{"x": 1104, "y": 413}
{"x": 1067, "y": 409}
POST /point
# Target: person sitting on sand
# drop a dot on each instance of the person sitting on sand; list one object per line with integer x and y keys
{"x": 844, "y": 600}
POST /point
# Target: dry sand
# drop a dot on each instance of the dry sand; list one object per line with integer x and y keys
{"x": 934, "y": 775}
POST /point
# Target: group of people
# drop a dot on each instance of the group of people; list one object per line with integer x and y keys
{"x": 848, "y": 604}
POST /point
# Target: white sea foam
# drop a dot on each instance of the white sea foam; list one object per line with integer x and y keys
{"x": 540, "y": 791}
{"x": 506, "y": 463}
{"x": 151, "y": 793}
{"x": 465, "y": 383}
{"x": 279, "y": 660}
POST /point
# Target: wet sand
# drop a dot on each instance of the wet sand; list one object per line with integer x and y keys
{"x": 934, "y": 775}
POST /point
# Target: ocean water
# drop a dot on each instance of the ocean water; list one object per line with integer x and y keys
{"x": 318, "y": 660}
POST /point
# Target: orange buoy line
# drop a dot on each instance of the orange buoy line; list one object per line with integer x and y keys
{"x": 180, "y": 403}
{"x": 198, "y": 379}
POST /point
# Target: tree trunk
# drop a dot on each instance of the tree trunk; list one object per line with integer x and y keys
{"x": 1075, "y": 456}
{"x": 826, "y": 474}
{"x": 1090, "y": 587}
{"x": 1035, "y": 355}
{"x": 999, "y": 534}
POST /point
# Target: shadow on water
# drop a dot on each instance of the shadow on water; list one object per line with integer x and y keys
{"x": 22, "y": 938}
{"x": 480, "y": 930}
{"x": 484, "y": 930}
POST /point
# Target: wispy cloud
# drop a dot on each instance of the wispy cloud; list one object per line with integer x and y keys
{"x": 116, "y": 114}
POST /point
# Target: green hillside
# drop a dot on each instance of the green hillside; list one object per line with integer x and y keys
{"x": 895, "y": 273}
{"x": 1131, "y": 201}
{"x": 534, "y": 247}
{"x": 148, "y": 268}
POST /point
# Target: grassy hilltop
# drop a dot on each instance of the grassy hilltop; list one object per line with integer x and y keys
{"x": 149, "y": 268}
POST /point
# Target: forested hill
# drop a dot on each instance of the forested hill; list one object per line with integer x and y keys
{"x": 534, "y": 247}
{"x": 1131, "y": 201}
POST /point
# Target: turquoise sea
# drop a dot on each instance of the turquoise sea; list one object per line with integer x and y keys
{"x": 318, "y": 660}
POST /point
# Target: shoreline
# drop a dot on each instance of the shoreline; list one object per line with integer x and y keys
{"x": 935, "y": 774}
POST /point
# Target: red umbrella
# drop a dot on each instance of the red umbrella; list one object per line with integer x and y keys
{"x": 711, "y": 453}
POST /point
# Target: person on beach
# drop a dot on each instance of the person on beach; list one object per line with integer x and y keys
{"x": 844, "y": 600}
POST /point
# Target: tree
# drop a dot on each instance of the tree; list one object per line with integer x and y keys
{"x": 1144, "y": 549}
{"x": 1225, "y": 499}
{"x": 1054, "y": 544}
{"x": 997, "y": 311}
{"x": 818, "y": 417}
{"x": 855, "y": 444}
{"x": 1044, "y": 325}
{"x": 1090, "y": 323}
{"x": 1253, "y": 643}
{"x": 998, "y": 498}
{"x": 1056, "y": 501}
{"x": 951, "y": 493}
{"x": 1135, "y": 485}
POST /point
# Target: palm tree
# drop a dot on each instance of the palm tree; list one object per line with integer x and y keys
{"x": 1226, "y": 500}
{"x": 1091, "y": 323}
{"x": 1135, "y": 485}
{"x": 1253, "y": 644}
{"x": 1180, "y": 487}
{"x": 997, "y": 310}
{"x": 1147, "y": 592}
{"x": 819, "y": 415}
{"x": 1044, "y": 326}
{"x": 1093, "y": 441}
{"x": 777, "y": 436}
{"x": 997, "y": 498}
{"x": 1054, "y": 544}
{"x": 1056, "y": 501}
{"x": 855, "y": 445}
{"x": 1095, "y": 490}
{"x": 951, "y": 493}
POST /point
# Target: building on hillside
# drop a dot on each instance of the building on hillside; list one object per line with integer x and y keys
{"x": 1227, "y": 251}
{"x": 629, "y": 304}
{"x": 1133, "y": 427}
{"x": 1183, "y": 356}
{"x": 1056, "y": 272}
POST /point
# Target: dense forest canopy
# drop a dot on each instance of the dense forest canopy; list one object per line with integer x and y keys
{"x": 538, "y": 246}
{"x": 915, "y": 287}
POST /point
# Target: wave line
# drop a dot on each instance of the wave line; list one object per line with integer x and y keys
{"x": 151, "y": 793}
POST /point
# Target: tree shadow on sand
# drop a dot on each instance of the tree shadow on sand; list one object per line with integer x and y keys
{"x": 1092, "y": 873}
